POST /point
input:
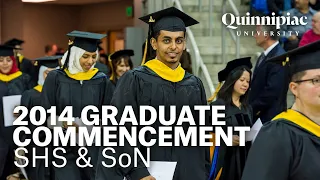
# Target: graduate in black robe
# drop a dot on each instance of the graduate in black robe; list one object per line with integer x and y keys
{"x": 25, "y": 65}
{"x": 119, "y": 63}
{"x": 29, "y": 99}
{"x": 161, "y": 81}
{"x": 288, "y": 147}
{"x": 228, "y": 162}
{"x": 12, "y": 82}
{"x": 77, "y": 84}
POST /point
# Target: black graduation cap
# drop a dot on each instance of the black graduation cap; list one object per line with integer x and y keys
{"x": 232, "y": 65}
{"x": 49, "y": 61}
{"x": 6, "y": 50}
{"x": 14, "y": 43}
{"x": 86, "y": 40}
{"x": 169, "y": 19}
{"x": 125, "y": 52}
{"x": 300, "y": 59}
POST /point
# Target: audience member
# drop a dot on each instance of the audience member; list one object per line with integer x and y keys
{"x": 51, "y": 50}
{"x": 313, "y": 34}
{"x": 302, "y": 9}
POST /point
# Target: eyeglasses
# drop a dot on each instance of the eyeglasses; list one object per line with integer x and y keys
{"x": 315, "y": 81}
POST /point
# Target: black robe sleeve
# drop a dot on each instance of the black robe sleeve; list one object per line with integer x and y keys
{"x": 271, "y": 154}
{"x": 109, "y": 92}
{"x": 48, "y": 90}
{"x": 208, "y": 123}
{"x": 125, "y": 94}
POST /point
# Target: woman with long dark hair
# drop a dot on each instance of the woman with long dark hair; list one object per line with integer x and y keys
{"x": 228, "y": 162}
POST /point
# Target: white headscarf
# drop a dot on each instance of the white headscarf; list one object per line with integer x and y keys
{"x": 40, "y": 75}
{"x": 76, "y": 53}
{"x": 42, "y": 69}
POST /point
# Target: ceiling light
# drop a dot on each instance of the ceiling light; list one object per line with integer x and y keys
{"x": 37, "y": 1}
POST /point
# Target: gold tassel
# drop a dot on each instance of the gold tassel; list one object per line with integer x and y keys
{"x": 112, "y": 69}
{"x": 145, "y": 53}
{"x": 215, "y": 93}
{"x": 285, "y": 62}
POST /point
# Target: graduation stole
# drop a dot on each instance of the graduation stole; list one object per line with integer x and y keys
{"x": 10, "y": 77}
{"x": 83, "y": 76}
{"x": 38, "y": 88}
{"x": 165, "y": 72}
{"x": 300, "y": 120}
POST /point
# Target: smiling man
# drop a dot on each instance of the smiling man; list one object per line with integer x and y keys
{"x": 288, "y": 148}
{"x": 161, "y": 81}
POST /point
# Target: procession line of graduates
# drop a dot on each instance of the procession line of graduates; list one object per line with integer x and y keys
{"x": 287, "y": 148}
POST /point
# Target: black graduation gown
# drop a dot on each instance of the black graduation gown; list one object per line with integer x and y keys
{"x": 142, "y": 86}
{"x": 27, "y": 67}
{"x": 14, "y": 87}
{"x": 285, "y": 150}
{"x": 29, "y": 99}
{"x": 60, "y": 90}
{"x": 232, "y": 159}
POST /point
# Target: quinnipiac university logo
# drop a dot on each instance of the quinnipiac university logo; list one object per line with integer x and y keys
{"x": 232, "y": 22}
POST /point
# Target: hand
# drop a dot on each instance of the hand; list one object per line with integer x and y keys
{"x": 65, "y": 125}
{"x": 148, "y": 178}
{"x": 293, "y": 37}
{"x": 16, "y": 115}
{"x": 235, "y": 140}
{"x": 13, "y": 177}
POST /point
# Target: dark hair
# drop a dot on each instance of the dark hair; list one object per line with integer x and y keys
{"x": 227, "y": 89}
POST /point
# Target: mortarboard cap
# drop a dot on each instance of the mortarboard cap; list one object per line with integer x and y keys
{"x": 169, "y": 19}
{"x": 125, "y": 52}
{"x": 232, "y": 65}
{"x": 6, "y": 50}
{"x": 49, "y": 61}
{"x": 300, "y": 59}
{"x": 14, "y": 42}
{"x": 85, "y": 40}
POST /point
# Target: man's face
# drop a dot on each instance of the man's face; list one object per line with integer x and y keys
{"x": 301, "y": 3}
{"x": 316, "y": 24}
{"x": 54, "y": 49}
{"x": 169, "y": 46}
{"x": 259, "y": 36}
{"x": 308, "y": 92}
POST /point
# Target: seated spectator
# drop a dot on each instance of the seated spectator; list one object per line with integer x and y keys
{"x": 302, "y": 9}
{"x": 313, "y": 34}
{"x": 279, "y": 6}
{"x": 315, "y": 4}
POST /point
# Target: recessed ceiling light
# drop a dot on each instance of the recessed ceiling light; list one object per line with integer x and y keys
{"x": 36, "y": 1}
